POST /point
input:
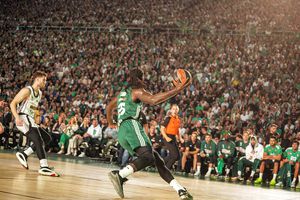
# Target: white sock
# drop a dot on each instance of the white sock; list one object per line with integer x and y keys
{"x": 252, "y": 173}
{"x": 239, "y": 173}
{"x": 43, "y": 163}
{"x": 274, "y": 176}
{"x": 198, "y": 168}
{"x": 176, "y": 186}
{"x": 260, "y": 175}
{"x": 294, "y": 179}
{"x": 209, "y": 170}
{"x": 227, "y": 171}
{"x": 28, "y": 151}
{"x": 126, "y": 171}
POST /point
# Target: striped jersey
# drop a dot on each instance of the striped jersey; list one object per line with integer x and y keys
{"x": 30, "y": 105}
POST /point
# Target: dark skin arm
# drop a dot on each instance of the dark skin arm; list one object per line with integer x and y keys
{"x": 148, "y": 98}
{"x": 109, "y": 109}
{"x": 145, "y": 97}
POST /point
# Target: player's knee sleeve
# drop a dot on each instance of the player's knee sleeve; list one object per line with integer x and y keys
{"x": 144, "y": 158}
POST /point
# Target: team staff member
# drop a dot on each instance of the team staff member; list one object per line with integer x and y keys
{"x": 170, "y": 133}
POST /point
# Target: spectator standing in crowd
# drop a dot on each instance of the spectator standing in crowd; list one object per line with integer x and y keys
{"x": 272, "y": 132}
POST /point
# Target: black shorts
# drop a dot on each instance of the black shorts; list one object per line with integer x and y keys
{"x": 207, "y": 160}
{"x": 270, "y": 163}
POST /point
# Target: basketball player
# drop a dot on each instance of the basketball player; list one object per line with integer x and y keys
{"x": 131, "y": 134}
{"x": 27, "y": 101}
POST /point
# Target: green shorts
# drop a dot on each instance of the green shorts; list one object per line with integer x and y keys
{"x": 132, "y": 135}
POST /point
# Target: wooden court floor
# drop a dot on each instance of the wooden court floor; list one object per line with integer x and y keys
{"x": 81, "y": 180}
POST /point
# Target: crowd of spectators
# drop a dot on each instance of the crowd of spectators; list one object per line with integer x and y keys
{"x": 219, "y": 15}
{"x": 244, "y": 81}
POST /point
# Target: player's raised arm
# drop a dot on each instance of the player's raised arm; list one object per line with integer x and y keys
{"x": 154, "y": 99}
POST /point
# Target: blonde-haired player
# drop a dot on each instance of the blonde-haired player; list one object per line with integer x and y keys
{"x": 23, "y": 107}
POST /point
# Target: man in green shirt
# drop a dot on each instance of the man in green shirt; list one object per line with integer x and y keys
{"x": 131, "y": 134}
{"x": 207, "y": 155}
{"x": 241, "y": 143}
{"x": 225, "y": 152}
{"x": 271, "y": 157}
{"x": 291, "y": 159}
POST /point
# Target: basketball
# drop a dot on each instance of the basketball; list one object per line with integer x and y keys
{"x": 181, "y": 76}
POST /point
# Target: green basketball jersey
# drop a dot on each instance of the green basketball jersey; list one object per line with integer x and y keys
{"x": 241, "y": 147}
{"x": 273, "y": 151}
{"x": 292, "y": 155}
{"x": 226, "y": 148}
{"x": 127, "y": 109}
{"x": 209, "y": 149}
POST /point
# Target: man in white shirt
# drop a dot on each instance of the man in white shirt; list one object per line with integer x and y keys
{"x": 94, "y": 131}
{"x": 254, "y": 153}
{"x": 93, "y": 135}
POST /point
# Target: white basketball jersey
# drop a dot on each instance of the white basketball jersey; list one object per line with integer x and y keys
{"x": 29, "y": 105}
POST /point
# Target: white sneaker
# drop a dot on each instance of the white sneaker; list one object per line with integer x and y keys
{"x": 61, "y": 152}
{"x": 22, "y": 159}
{"x": 279, "y": 184}
{"x": 207, "y": 175}
{"x": 293, "y": 184}
{"x": 197, "y": 173}
{"x": 46, "y": 171}
{"x": 239, "y": 178}
{"x": 82, "y": 155}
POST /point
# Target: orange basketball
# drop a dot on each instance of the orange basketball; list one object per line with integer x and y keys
{"x": 181, "y": 77}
